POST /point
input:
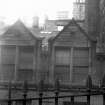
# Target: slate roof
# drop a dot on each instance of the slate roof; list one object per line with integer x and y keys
{"x": 90, "y": 37}
{"x": 18, "y": 28}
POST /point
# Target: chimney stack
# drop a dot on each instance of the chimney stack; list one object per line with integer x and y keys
{"x": 92, "y": 17}
{"x": 36, "y": 22}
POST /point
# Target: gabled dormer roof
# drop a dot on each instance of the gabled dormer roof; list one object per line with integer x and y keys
{"x": 73, "y": 21}
{"x": 18, "y": 32}
{"x": 18, "y": 27}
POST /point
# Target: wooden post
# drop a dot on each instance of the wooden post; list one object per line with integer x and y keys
{"x": 56, "y": 98}
{"x": 24, "y": 101}
{"x": 40, "y": 88}
{"x": 9, "y": 93}
{"x": 88, "y": 99}
{"x": 52, "y": 64}
{"x": 103, "y": 88}
{"x": 90, "y": 60}
{"x": 71, "y": 64}
{"x": 57, "y": 88}
{"x": 38, "y": 59}
{"x": 40, "y": 98}
{"x": 72, "y": 100}
{"x": 34, "y": 62}
{"x": 16, "y": 61}
{"x": 25, "y": 87}
{"x": 103, "y": 82}
{"x": 104, "y": 99}
{"x": 89, "y": 82}
{"x": 89, "y": 86}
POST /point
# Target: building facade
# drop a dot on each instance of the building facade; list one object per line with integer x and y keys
{"x": 73, "y": 55}
{"x": 70, "y": 56}
{"x": 18, "y": 52}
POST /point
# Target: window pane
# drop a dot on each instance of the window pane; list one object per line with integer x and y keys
{"x": 80, "y": 74}
{"x": 81, "y": 57}
{"x": 7, "y": 71}
{"x": 26, "y": 57}
{"x": 80, "y": 70}
{"x": 43, "y": 75}
{"x": 62, "y": 56}
{"x": 62, "y": 73}
{"x": 25, "y": 74}
{"x": 80, "y": 64}
{"x": 8, "y": 54}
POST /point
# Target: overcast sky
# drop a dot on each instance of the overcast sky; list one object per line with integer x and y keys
{"x": 11, "y": 10}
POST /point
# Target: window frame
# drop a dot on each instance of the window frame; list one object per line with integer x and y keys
{"x": 71, "y": 65}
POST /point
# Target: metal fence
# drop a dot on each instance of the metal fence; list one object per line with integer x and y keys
{"x": 88, "y": 92}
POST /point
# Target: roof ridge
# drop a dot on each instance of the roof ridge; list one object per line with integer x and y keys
{"x": 74, "y": 21}
{"x": 20, "y": 23}
{"x": 85, "y": 33}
